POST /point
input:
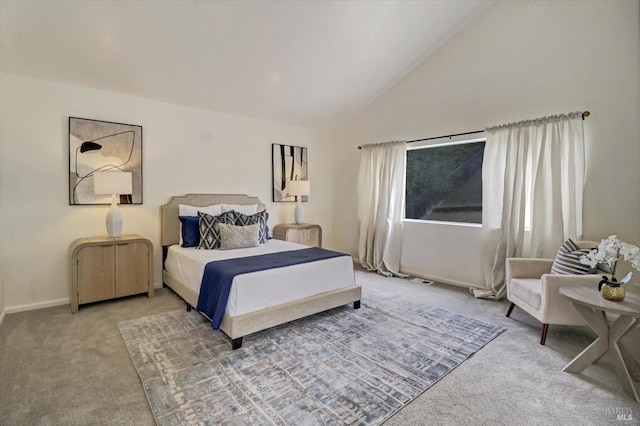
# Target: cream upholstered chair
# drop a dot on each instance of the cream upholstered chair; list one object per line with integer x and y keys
{"x": 532, "y": 287}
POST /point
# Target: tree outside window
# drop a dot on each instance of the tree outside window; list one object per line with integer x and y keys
{"x": 444, "y": 182}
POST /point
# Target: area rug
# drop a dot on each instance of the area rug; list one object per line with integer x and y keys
{"x": 344, "y": 366}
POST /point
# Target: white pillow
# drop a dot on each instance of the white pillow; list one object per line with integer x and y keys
{"x": 247, "y": 209}
{"x": 186, "y": 210}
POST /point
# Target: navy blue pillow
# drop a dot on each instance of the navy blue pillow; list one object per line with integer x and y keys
{"x": 190, "y": 231}
{"x": 261, "y": 218}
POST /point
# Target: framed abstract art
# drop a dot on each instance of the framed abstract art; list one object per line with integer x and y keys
{"x": 102, "y": 146}
{"x": 288, "y": 163}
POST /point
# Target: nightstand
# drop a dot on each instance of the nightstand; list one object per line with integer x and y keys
{"x": 104, "y": 268}
{"x": 304, "y": 233}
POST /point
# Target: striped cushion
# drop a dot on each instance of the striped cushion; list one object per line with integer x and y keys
{"x": 567, "y": 261}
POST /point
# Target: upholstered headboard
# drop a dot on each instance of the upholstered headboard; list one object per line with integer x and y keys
{"x": 170, "y": 224}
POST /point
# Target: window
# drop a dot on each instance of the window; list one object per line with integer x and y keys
{"x": 444, "y": 182}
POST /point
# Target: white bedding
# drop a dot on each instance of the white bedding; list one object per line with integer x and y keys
{"x": 258, "y": 290}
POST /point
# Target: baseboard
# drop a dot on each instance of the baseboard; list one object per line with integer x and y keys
{"x": 438, "y": 279}
{"x": 34, "y": 306}
{"x": 432, "y": 278}
{"x": 48, "y": 304}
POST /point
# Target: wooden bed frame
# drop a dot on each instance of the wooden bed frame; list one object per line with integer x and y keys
{"x": 239, "y": 326}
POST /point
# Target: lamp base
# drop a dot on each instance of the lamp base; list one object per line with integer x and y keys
{"x": 298, "y": 213}
{"x": 114, "y": 219}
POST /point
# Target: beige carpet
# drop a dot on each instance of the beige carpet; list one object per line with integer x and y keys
{"x": 63, "y": 369}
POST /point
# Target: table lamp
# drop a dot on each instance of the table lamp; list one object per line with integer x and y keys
{"x": 298, "y": 188}
{"x": 114, "y": 184}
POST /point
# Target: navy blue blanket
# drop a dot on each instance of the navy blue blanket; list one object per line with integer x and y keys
{"x": 218, "y": 276}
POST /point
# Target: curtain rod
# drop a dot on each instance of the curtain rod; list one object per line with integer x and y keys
{"x": 584, "y": 115}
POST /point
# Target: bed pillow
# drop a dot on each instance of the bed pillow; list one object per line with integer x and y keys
{"x": 208, "y": 228}
{"x": 189, "y": 231}
{"x": 186, "y": 210}
{"x": 260, "y": 218}
{"x": 567, "y": 261}
{"x": 247, "y": 209}
{"x": 236, "y": 237}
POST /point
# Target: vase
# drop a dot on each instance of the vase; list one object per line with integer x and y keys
{"x": 613, "y": 293}
{"x": 611, "y": 290}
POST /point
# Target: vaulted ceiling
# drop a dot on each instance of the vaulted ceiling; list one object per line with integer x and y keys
{"x": 309, "y": 63}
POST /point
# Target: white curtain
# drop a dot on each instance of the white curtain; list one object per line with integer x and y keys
{"x": 381, "y": 183}
{"x": 532, "y": 188}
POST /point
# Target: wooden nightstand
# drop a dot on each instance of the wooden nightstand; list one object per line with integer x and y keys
{"x": 104, "y": 268}
{"x": 304, "y": 233}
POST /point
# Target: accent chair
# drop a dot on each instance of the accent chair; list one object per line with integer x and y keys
{"x": 532, "y": 287}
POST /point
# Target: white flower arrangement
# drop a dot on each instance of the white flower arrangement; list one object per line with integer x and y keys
{"x": 608, "y": 252}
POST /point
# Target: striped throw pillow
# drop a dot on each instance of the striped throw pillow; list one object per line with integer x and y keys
{"x": 567, "y": 261}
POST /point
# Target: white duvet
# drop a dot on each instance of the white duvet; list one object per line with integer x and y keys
{"x": 258, "y": 290}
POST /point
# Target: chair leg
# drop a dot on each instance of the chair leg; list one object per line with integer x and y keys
{"x": 510, "y": 309}
{"x": 545, "y": 327}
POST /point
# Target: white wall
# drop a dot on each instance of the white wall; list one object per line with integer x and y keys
{"x": 518, "y": 60}
{"x": 2, "y": 307}
{"x": 184, "y": 150}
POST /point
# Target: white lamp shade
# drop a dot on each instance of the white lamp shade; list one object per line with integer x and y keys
{"x": 112, "y": 183}
{"x": 299, "y": 187}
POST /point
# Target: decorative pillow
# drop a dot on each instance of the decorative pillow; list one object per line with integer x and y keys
{"x": 567, "y": 261}
{"x": 208, "y": 227}
{"x": 185, "y": 210}
{"x": 235, "y": 237}
{"x": 189, "y": 231}
{"x": 247, "y": 209}
{"x": 260, "y": 218}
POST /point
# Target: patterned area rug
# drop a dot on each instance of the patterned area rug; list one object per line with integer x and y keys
{"x": 343, "y": 366}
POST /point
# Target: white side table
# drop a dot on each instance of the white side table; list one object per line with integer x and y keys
{"x": 592, "y": 307}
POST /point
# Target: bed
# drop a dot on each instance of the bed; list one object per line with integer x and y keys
{"x": 257, "y": 300}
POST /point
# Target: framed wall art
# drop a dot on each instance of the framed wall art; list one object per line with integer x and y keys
{"x": 289, "y": 163}
{"x": 102, "y": 146}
